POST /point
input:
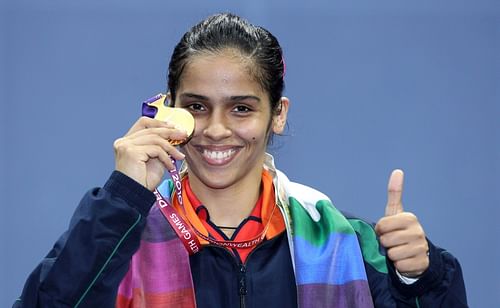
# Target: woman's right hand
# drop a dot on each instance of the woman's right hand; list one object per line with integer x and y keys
{"x": 144, "y": 152}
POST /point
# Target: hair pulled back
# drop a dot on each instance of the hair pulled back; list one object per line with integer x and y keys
{"x": 224, "y": 31}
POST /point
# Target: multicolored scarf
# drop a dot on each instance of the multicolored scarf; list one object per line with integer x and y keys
{"x": 325, "y": 252}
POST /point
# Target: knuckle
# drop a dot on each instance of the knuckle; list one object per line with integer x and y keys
{"x": 164, "y": 143}
{"x": 392, "y": 189}
{"x": 382, "y": 240}
{"x": 118, "y": 144}
{"x": 424, "y": 248}
{"x": 400, "y": 265}
{"x": 380, "y": 226}
{"x": 392, "y": 254}
{"x": 409, "y": 217}
{"x": 421, "y": 236}
{"x": 386, "y": 241}
{"x": 144, "y": 119}
{"x": 167, "y": 133}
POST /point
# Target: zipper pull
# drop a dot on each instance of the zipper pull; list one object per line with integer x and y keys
{"x": 242, "y": 285}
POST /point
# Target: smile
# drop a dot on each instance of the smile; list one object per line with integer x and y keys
{"x": 218, "y": 156}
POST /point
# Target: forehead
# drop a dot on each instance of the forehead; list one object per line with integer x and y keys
{"x": 225, "y": 73}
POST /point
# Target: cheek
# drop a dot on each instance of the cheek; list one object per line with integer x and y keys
{"x": 199, "y": 126}
{"x": 254, "y": 132}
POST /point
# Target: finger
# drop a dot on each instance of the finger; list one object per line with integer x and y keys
{"x": 412, "y": 267}
{"x": 165, "y": 132}
{"x": 402, "y": 252}
{"x": 399, "y": 221}
{"x": 395, "y": 238}
{"x": 156, "y": 152}
{"x": 394, "y": 193}
{"x": 146, "y": 122}
{"x": 159, "y": 141}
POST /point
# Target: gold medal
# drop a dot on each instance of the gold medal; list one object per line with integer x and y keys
{"x": 180, "y": 118}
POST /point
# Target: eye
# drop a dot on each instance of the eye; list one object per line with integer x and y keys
{"x": 195, "y": 107}
{"x": 241, "y": 109}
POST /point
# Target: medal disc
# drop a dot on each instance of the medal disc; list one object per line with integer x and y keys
{"x": 181, "y": 118}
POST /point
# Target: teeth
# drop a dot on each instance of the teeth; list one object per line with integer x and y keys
{"x": 218, "y": 155}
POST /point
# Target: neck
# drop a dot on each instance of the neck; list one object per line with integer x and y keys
{"x": 230, "y": 205}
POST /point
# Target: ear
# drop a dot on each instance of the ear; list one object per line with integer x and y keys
{"x": 279, "y": 119}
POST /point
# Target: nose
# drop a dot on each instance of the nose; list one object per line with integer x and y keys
{"x": 217, "y": 127}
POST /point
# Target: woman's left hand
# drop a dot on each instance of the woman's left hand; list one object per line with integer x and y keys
{"x": 401, "y": 234}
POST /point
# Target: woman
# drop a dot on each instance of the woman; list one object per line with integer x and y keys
{"x": 264, "y": 241}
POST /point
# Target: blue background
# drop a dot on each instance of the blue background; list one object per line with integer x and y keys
{"x": 374, "y": 85}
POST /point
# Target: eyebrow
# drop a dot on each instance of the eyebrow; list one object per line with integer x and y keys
{"x": 192, "y": 95}
{"x": 244, "y": 97}
{"x": 230, "y": 98}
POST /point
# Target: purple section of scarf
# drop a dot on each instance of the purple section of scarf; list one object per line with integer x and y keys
{"x": 353, "y": 294}
{"x": 157, "y": 228}
{"x": 163, "y": 267}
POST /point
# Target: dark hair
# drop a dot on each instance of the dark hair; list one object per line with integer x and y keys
{"x": 227, "y": 31}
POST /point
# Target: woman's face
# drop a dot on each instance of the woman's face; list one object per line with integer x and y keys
{"x": 233, "y": 120}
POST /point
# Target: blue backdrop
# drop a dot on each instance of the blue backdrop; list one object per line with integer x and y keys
{"x": 374, "y": 85}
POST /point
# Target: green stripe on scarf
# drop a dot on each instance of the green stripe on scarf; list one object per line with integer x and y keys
{"x": 317, "y": 233}
{"x": 369, "y": 245}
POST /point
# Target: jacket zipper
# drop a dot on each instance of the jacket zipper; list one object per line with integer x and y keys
{"x": 242, "y": 285}
{"x": 243, "y": 276}
{"x": 242, "y": 279}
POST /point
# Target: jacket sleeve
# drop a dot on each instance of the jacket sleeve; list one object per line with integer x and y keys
{"x": 441, "y": 285}
{"x": 87, "y": 263}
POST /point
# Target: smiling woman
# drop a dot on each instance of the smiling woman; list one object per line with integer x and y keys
{"x": 264, "y": 240}
{"x": 233, "y": 123}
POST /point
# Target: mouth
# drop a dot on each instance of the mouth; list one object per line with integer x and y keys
{"x": 218, "y": 156}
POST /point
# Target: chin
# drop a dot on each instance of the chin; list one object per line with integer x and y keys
{"x": 217, "y": 179}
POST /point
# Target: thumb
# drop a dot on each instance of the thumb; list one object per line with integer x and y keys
{"x": 394, "y": 193}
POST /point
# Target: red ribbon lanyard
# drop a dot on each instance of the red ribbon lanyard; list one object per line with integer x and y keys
{"x": 186, "y": 232}
{"x": 181, "y": 228}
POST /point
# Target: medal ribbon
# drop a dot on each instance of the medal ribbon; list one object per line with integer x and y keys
{"x": 187, "y": 233}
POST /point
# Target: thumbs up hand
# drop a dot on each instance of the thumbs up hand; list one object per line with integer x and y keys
{"x": 401, "y": 233}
